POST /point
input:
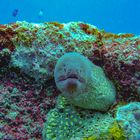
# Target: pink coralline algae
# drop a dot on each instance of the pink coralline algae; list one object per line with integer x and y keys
{"x": 24, "y": 107}
{"x": 28, "y": 54}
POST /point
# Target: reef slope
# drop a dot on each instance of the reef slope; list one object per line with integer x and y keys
{"x": 28, "y": 54}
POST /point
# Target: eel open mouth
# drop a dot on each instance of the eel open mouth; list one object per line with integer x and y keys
{"x": 72, "y": 76}
{"x": 70, "y": 82}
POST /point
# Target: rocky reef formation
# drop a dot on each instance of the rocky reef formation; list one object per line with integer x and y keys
{"x": 35, "y": 48}
{"x": 66, "y": 121}
{"x": 28, "y": 54}
{"x": 69, "y": 122}
{"x": 128, "y": 117}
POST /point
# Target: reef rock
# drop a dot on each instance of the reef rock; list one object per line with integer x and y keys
{"x": 28, "y": 55}
{"x": 68, "y": 122}
{"x": 34, "y": 49}
{"x": 128, "y": 117}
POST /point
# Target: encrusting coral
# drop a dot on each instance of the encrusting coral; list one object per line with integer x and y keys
{"x": 28, "y": 55}
{"x": 83, "y": 83}
{"x": 128, "y": 117}
{"x": 66, "y": 122}
{"x": 45, "y": 43}
{"x": 116, "y": 132}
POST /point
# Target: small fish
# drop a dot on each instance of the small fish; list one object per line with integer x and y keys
{"x": 41, "y": 13}
{"x": 15, "y": 12}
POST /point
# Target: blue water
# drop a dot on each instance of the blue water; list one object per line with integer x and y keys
{"x": 112, "y": 15}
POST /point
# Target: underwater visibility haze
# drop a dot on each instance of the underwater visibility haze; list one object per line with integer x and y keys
{"x": 112, "y": 15}
{"x": 69, "y": 69}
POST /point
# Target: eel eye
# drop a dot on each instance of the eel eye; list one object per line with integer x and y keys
{"x": 64, "y": 67}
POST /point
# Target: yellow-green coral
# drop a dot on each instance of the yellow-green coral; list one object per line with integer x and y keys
{"x": 67, "y": 122}
{"x": 90, "y": 138}
{"x": 116, "y": 132}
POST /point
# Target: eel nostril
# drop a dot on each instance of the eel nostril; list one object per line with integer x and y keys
{"x": 65, "y": 69}
{"x": 71, "y": 72}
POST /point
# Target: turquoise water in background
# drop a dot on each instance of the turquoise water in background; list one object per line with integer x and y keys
{"x": 112, "y": 15}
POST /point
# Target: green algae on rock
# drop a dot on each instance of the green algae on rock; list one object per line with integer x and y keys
{"x": 66, "y": 122}
{"x": 40, "y": 46}
{"x": 118, "y": 54}
{"x": 128, "y": 117}
{"x": 83, "y": 83}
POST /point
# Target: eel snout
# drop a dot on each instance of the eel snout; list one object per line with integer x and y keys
{"x": 71, "y": 75}
{"x": 71, "y": 81}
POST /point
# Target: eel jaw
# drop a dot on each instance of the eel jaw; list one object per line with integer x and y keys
{"x": 70, "y": 82}
{"x": 70, "y": 76}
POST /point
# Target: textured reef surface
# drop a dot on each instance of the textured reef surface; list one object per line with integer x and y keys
{"x": 28, "y": 55}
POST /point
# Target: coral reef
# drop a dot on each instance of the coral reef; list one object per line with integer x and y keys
{"x": 45, "y": 43}
{"x": 83, "y": 83}
{"x": 69, "y": 122}
{"x": 128, "y": 117}
{"x": 116, "y": 132}
{"x": 28, "y": 54}
{"x": 23, "y": 108}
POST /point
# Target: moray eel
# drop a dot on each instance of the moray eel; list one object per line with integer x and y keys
{"x": 83, "y": 83}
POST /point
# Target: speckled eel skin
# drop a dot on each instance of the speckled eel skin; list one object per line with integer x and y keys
{"x": 83, "y": 83}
